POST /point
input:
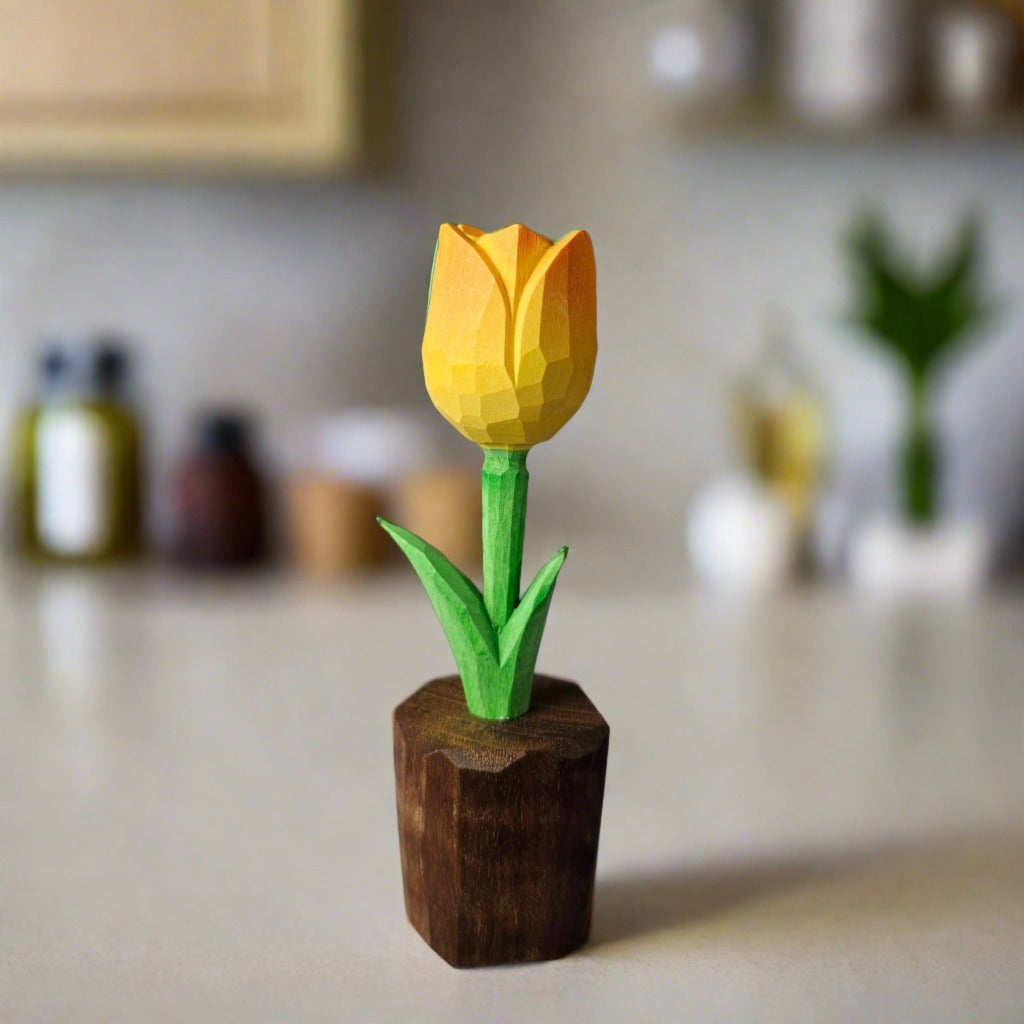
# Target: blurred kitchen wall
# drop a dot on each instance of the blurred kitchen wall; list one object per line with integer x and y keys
{"x": 297, "y": 297}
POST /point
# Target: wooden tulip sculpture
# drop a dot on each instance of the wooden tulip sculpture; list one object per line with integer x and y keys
{"x": 508, "y": 357}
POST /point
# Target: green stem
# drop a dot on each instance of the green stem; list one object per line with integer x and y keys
{"x": 920, "y": 458}
{"x": 503, "y": 483}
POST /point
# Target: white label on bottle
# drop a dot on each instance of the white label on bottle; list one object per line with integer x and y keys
{"x": 72, "y": 483}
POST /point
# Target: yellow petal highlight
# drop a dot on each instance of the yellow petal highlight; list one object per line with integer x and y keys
{"x": 511, "y": 337}
{"x": 464, "y": 340}
{"x": 514, "y": 252}
{"x": 555, "y": 332}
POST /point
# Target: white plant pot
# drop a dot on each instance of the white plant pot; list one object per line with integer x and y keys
{"x": 900, "y": 559}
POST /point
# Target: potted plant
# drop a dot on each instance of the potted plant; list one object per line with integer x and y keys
{"x": 921, "y": 318}
{"x": 500, "y": 793}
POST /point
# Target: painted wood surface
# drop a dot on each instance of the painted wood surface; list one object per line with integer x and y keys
{"x": 511, "y": 336}
{"x": 508, "y": 356}
{"x": 503, "y": 481}
{"x": 496, "y": 666}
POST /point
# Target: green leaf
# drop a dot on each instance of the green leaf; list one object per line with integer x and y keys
{"x": 496, "y": 668}
{"x": 537, "y": 594}
{"x": 459, "y": 607}
{"x": 917, "y": 314}
{"x": 519, "y": 641}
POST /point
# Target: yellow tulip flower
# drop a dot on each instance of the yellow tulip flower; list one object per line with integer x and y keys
{"x": 511, "y": 335}
{"x": 508, "y": 355}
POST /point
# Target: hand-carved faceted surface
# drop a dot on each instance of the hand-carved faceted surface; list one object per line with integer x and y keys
{"x": 511, "y": 336}
{"x": 498, "y": 822}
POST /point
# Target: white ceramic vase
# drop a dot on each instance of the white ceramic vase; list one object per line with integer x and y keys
{"x": 947, "y": 559}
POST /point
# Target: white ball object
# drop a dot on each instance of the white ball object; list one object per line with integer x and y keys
{"x": 705, "y": 54}
{"x": 740, "y": 537}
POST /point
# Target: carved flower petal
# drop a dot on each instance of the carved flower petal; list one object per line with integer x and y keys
{"x": 555, "y": 332}
{"x": 467, "y": 329}
{"x": 514, "y": 252}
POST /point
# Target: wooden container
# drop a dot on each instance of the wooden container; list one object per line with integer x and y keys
{"x": 443, "y": 507}
{"x": 333, "y": 525}
{"x": 498, "y": 822}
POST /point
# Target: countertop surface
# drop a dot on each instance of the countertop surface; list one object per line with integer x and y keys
{"x": 814, "y": 808}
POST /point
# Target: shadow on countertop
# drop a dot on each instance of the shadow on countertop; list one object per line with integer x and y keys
{"x": 629, "y": 906}
{"x": 910, "y": 886}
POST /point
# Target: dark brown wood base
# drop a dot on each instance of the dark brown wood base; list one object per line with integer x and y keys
{"x": 498, "y": 822}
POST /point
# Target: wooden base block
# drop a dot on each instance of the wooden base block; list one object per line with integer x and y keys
{"x": 498, "y": 822}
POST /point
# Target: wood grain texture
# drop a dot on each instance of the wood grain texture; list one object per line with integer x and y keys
{"x": 499, "y": 822}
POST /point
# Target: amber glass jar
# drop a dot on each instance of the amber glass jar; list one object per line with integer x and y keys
{"x": 219, "y": 496}
{"x": 77, "y": 457}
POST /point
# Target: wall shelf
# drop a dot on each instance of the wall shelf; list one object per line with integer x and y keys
{"x": 771, "y": 123}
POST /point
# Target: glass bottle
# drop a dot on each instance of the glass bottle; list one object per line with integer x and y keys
{"x": 77, "y": 456}
{"x": 219, "y": 496}
{"x": 781, "y": 428}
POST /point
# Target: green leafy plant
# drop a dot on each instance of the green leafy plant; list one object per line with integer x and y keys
{"x": 919, "y": 316}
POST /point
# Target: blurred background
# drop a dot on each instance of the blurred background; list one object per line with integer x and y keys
{"x": 184, "y": 186}
{"x": 217, "y": 221}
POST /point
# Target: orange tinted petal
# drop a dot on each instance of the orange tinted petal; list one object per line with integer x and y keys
{"x": 555, "y": 333}
{"x": 514, "y": 252}
{"x": 467, "y": 330}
